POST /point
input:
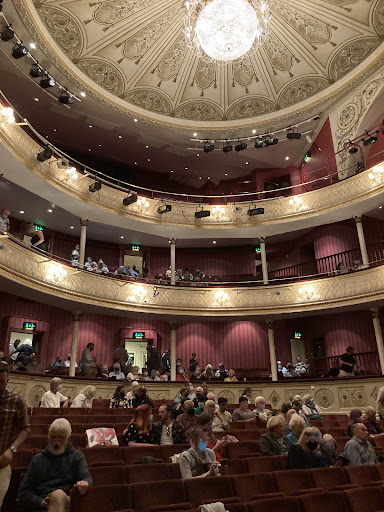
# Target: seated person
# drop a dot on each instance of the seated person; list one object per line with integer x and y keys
{"x": 144, "y": 377}
{"x": 67, "y": 363}
{"x": 134, "y": 373}
{"x": 205, "y": 420}
{"x": 117, "y": 374}
{"x": 187, "y": 418}
{"x": 300, "y": 366}
{"x": 34, "y": 366}
{"x": 119, "y": 399}
{"x": 25, "y": 351}
{"x": 120, "y": 271}
{"x": 296, "y": 424}
{"x": 141, "y": 398}
{"x": 19, "y": 365}
{"x": 221, "y": 418}
{"x": 231, "y": 376}
{"x": 85, "y": 398}
{"x": 139, "y": 431}
{"x": 242, "y": 413}
{"x": 162, "y": 376}
{"x": 199, "y": 461}
{"x": 102, "y": 371}
{"x": 179, "y": 401}
{"x": 57, "y": 362}
{"x": 221, "y": 373}
{"x": 296, "y": 404}
{"x": 329, "y": 450}
{"x": 359, "y": 450}
{"x": 310, "y": 409}
{"x": 167, "y": 431}
{"x": 288, "y": 416}
{"x": 291, "y": 372}
{"x": 131, "y": 395}
{"x": 261, "y": 412}
{"x": 53, "y": 397}
{"x": 52, "y": 473}
{"x": 305, "y": 454}
{"x": 371, "y": 422}
{"x": 281, "y": 369}
{"x": 274, "y": 442}
{"x": 355, "y": 416}
{"x": 208, "y": 373}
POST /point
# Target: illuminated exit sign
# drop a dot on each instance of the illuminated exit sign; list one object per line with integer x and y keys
{"x": 135, "y": 247}
{"x": 298, "y": 335}
{"x": 139, "y": 335}
{"x": 39, "y": 228}
{"x": 29, "y": 326}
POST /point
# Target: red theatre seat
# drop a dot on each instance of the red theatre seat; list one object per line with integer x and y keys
{"x": 234, "y": 466}
{"x": 106, "y": 498}
{"x": 331, "y": 479}
{"x": 35, "y": 442}
{"x": 146, "y": 473}
{"x": 208, "y": 490}
{"x": 104, "y": 454}
{"x": 107, "y": 475}
{"x": 362, "y": 475}
{"x": 287, "y": 504}
{"x": 242, "y": 449}
{"x": 341, "y": 442}
{"x": 168, "y": 450}
{"x": 249, "y": 486}
{"x": 294, "y": 481}
{"x": 365, "y": 499}
{"x": 133, "y": 454}
{"x": 22, "y": 458}
{"x": 266, "y": 464}
{"x": 334, "y": 501}
{"x": 162, "y": 495}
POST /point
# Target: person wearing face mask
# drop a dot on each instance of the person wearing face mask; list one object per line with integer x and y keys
{"x": 34, "y": 366}
{"x": 329, "y": 450}
{"x": 180, "y": 375}
{"x": 53, "y": 473}
{"x": 310, "y": 409}
{"x": 201, "y": 398}
{"x": 187, "y": 418}
{"x": 119, "y": 399}
{"x": 87, "y": 360}
{"x": 53, "y": 398}
{"x": 139, "y": 431}
{"x": 180, "y": 399}
{"x": 141, "y": 398}
{"x": 196, "y": 375}
{"x": 199, "y": 461}
{"x": 281, "y": 369}
{"x": 117, "y": 374}
{"x": 305, "y": 454}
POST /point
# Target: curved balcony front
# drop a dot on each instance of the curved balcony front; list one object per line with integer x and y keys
{"x": 56, "y": 282}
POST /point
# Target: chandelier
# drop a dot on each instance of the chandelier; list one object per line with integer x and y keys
{"x": 223, "y": 31}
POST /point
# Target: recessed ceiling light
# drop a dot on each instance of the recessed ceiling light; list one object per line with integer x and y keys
{"x": 214, "y": 241}
{"x": 121, "y": 237}
{"x": 21, "y": 211}
{"x": 33, "y": 46}
{"x": 186, "y": 168}
{"x": 171, "y": 170}
{"x": 72, "y": 227}
{"x": 82, "y": 94}
{"x": 89, "y": 149}
{"x": 246, "y": 163}
{"x": 208, "y": 178}
{"x": 91, "y": 125}
{"x": 200, "y": 178}
{"x": 36, "y": 99}
{"x": 287, "y": 157}
{"x": 135, "y": 120}
{"x": 379, "y": 207}
{"x": 147, "y": 147}
{"x": 253, "y": 131}
{"x": 135, "y": 163}
{"x": 99, "y": 145}
{"x": 194, "y": 134}
{"x": 49, "y": 210}
{"x": 149, "y": 159}
{"x": 54, "y": 130}
{"x": 120, "y": 137}
{"x": 198, "y": 154}
{"x": 225, "y": 174}
{"x": 46, "y": 136}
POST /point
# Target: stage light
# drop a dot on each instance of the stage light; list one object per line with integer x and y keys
{"x": 47, "y": 82}
{"x": 371, "y": 139}
{"x": 7, "y": 34}
{"x": 255, "y": 211}
{"x": 44, "y": 155}
{"x": 241, "y": 146}
{"x": 359, "y": 168}
{"x": 36, "y": 71}
{"x": 208, "y": 147}
{"x": 164, "y": 208}
{"x": 227, "y": 148}
{"x": 270, "y": 141}
{"x": 131, "y": 199}
{"x": 66, "y": 99}
{"x": 353, "y": 150}
{"x": 19, "y": 51}
{"x": 202, "y": 213}
{"x": 293, "y": 135}
{"x": 259, "y": 143}
{"x": 94, "y": 187}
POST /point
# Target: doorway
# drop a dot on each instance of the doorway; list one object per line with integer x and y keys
{"x": 137, "y": 352}
{"x": 131, "y": 260}
{"x": 297, "y": 350}
{"x": 27, "y": 338}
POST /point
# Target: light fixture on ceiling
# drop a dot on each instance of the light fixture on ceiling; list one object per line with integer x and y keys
{"x": 287, "y": 157}
{"x": 353, "y": 148}
{"x": 66, "y": 99}
{"x": 49, "y": 210}
{"x": 208, "y": 147}
{"x": 19, "y": 51}
{"x": 32, "y": 46}
{"x": 82, "y": 94}
{"x": 94, "y": 187}
{"x": 241, "y": 146}
{"x": 122, "y": 237}
{"x": 44, "y": 155}
{"x": 225, "y": 174}
{"x": 370, "y": 139}
{"x": 271, "y": 141}
{"x": 135, "y": 120}
{"x": 253, "y": 131}
{"x": 214, "y": 241}
{"x": 292, "y": 135}
{"x": 227, "y": 148}
{"x": 36, "y": 71}
{"x": 131, "y": 199}
{"x": 47, "y": 82}
{"x": 7, "y": 34}
{"x": 194, "y": 134}
{"x": 164, "y": 208}
{"x": 72, "y": 227}
{"x": 259, "y": 143}
{"x": 22, "y": 211}
{"x": 223, "y": 31}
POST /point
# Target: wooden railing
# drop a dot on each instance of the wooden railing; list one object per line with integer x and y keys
{"x": 369, "y": 361}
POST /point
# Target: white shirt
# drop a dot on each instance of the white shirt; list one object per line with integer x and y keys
{"x": 67, "y": 364}
{"x": 81, "y": 401}
{"x": 132, "y": 376}
{"x": 166, "y": 438}
{"x": 50, "y": 399}
{"x": 119, "y": 376}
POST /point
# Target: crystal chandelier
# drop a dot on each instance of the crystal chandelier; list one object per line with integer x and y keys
{"x": 223, "y": 31}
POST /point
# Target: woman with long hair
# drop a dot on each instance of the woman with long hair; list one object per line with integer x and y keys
{"x": 85, "y": 398}
{"x": 139, "y": 431}
{"x": 119, "y": 399}
{"x": 199, "y": 460}
{"x": 305, "y": 453}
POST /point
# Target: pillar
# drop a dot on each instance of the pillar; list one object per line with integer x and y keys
{"x": 83, "y": 238}
{"x": 363, "y": 247}
{"x": 379, "y": 337}
{"x": 272, "y": 353}
{"x": 172, "y": 243}
{"x": 173, "y": 351}
{"x": 263, "y": 260}
{"x": 75, "y": 338}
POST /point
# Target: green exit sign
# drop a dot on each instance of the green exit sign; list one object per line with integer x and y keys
{"x": 257, "y": 249}
{"x": 29, "y": 326}
{"x": 135, "y": 247}
{"x": 298, "y": 335}
{"x": 139, "y": 335}
{"x": 39, "y": 228}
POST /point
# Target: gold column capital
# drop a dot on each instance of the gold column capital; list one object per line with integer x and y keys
{"x": 358, "y": 219}
{"x": 76, "y": 317}
{"x": 375, "y": 313}
{"x": 84, "y": 222}
{"x": 270, "y": 325}
{"x": 173, "y": 326}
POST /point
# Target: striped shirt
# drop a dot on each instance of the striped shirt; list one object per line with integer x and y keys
{"x": 13, "y": 418}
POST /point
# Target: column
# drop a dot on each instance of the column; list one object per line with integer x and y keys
{"x": 263, "y": 260}
{"x": 379, "y": 337}
{"x": 272, "y": 353}
{"x": 75, "y": 338}
{"x": 83, "y": 238}
{"x": 173, "y": 351}
{"x": 360, "y": 234}
{"x": 172, "y": 243}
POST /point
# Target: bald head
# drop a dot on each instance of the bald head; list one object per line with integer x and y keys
{"x": 360, "y": 431}
{"x": 370, "y": 413}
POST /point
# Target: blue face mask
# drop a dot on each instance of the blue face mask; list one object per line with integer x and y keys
{"x": 202, "y": 446}
{"x": 279, "y": 367}
{"x": 59, "y": 388}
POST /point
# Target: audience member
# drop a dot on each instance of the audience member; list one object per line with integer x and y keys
{"x": 274, "y": 442}
{"x": 299, "y": 410}
{"x": 242, "y": 413}
{"x": 300, "y": 366}
{"x": 288, "y": 416}
{"x": 198, "y": 461}
{"x": 291, "y": 372}
{"x": 139, "y": 431}
{"x": 371, "y": 422}
{"x": 67, "y": 363}
{"x": 24, "y": 351}
{"x": 181, "y": 398}
{"x": 355, "y": 416}
{"x": 261, "y": 412}
{"x": 52, "y": 473}
{"x": 134, "y": 373}
{"x": 187, "y": 418}
{"x": 167, "y": 431}
{"x": 197, "y": 374}
{"x": 144, "y": 377}
{"x": 87, "y": 360}
{"x": 75, "y": 254}
{"x": 119, "y": 399}
{"x": 4, "y": 220}
{"x": 208, "y": 373}
{"x": 296, "y": 425}
{"x": 153, "y": 361}
{"x": 14, "y": 428}
{"x": 281, "y": 370}
{"x": 85, "y": 398}
{"x": 120, "y": 355}
{"x": 359, "y": 450}
{"x": 329, "y": 450}
{"x": 340, "y": 268}
{"x": 141, "y": 398}
{"x": 248, "y": 393}
{"x": 310, "y": 409}
{"x": 13, "y": 353}
{"x": 161, "y": 376}
{"x": 102, "y": 371}
{"x": 131, "y": 395}
{"x": 221, "y": 418}
{"x": 88, "y": 263}
{"x": 53, "y": 398}
{"x": 193, "y": 363}
{"x": 120, "y": 271}
{"x": 34, "y": 366}
{"x": 166, "y": 361}
{"x": 348, "y": 363}
{"x": 117, "y": 374}
{"x": 57, "y": 362}
{"x": 221, "y": 373}
{"x": 19, "y": 366}
{"x": 205, "y": 420}
{"x": 101, "y": 267}
{"x": 231, "y": 376}
{"x": 37, "y": 237}
{"x": 304, "y": 454}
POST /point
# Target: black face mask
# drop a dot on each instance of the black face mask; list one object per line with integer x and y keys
{"x": 312, "y": 445}
{"x": 122, "y": 395}
{"x": 199, "y": 396}
{"x": 186, "y": 395}
{"x": 191, "y": 412}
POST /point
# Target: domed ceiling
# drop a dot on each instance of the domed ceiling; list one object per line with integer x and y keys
{"x": 135, "y": 50}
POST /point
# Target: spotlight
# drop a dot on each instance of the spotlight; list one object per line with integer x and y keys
{"x": 270, "y": 141}
{"x": 44, "y": 155}
{"x": 359, "y": 168}
{"x": 66, "y": 99}
{"x": 259, "y": 143}
{"x": 132, "y": 198}
{"x": 227, "y": 148}
{"x": 7, "y": 34}
{"x": 208, "y": 147}
{"x": 19, "y": 51}
{"x": 36, "y": 71}
{"x": 94, "y": 187}
{"x": 47, "y": 82}
{"x": 164, "y": 208}
{"x": 293, "y": 135}
{"x": 353, "y": 150}
{"x": 202, "y": 213}
{"x": 241, "y": 146}
{"x": 255, "y": 211}
{"x": 371, "y": 139}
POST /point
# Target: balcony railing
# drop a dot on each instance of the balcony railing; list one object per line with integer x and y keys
{"x": 368, "y": 361}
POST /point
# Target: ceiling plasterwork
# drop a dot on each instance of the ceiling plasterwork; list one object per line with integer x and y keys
{"x": 135, "y": 50}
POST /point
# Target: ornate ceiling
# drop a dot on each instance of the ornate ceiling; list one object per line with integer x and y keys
{"x": 135, "y": 50}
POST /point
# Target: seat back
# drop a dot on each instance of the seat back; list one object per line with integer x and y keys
{"x": 107, "y": 475}
{"x": 234, "y": 467}
{"x": 264, "y": 464}
{"x": 146, "y": 473}
{"x": 248, "y": 486}
{"x": 133, "y": 454}
{"x": 328, "y": 477}
{"x": 241, "y": 449}
{"x": 319, "y": 502}
{"x": 207, "y": 490}
{"x": 107, "y": 498}
{"x": 103, "y": 454}
{"x": 292, "y": 480}
{"x": 154, "y": 494}
{"x": 168, "y": 450}
{"x": 365, "y": 499}
{"x": 288, "y": 504}
{"x": 361, "y": 475}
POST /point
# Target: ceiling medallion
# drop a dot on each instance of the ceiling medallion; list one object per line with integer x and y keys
{"x": 225, "y": 31}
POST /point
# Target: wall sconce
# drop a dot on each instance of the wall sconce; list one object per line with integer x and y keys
{"x": 221, "y": 298}
{"x": 377, "y": 174}
{"x": 297, "y": 203}
{"x": 218, "y": 212}
{"x": 138, "y": 294}
{"x": 307, "y": 292}
{"x": 56, "y": 273}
